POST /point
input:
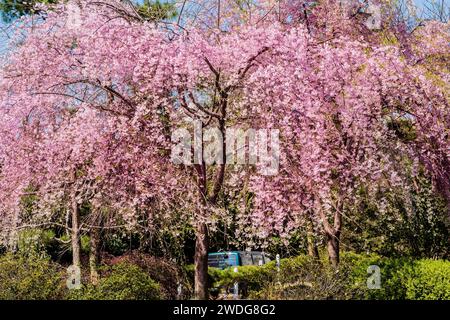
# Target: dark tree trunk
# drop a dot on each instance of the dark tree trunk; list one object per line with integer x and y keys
{"x": 333, "y": 248}
{"x": 76, "y": 258}
{"x": 332, "y": 233}
{"x": 94, "y": 246}
{"x": 94, "y": 255}
{"x": 201, "y": 262}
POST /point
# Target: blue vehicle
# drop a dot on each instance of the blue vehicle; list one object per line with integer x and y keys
{"x": 223, "y": 260}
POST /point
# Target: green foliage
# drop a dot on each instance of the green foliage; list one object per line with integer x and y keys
{"x": 415, "y": 224}
{"x": 28, "y": 203}
{"x": 34, "y": 240}
{"x": 123, "y": 281}
{"x": 251, "y": 278}
{"x": 39, "y": 241}
{"x": 403, "y": 129}
{"x": 401, "y": 278}
{"x": 119, "y": 243}
{"x": 30, "y": 277}
{"x": 29, "y": 274}
{"x": 155, "y": 10}
{"x": 430, "y": 281}
{"x": 300, "y": 277}
{"x": 304, "y": 277}
{"x": 85, "y": 243}
{"x": 394, "y": 274}
{"x": 167, "y": 273}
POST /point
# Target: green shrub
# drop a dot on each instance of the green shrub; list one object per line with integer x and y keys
{"x": 430, "y": 280}
{"x": 167, "y": 273}
{"x": 394, "y": 273}
{"x": 123, "y": 281}
{"x": 250, "y": 278}
{"x": 36, "y": 240}
{"x": 304, "y": 277}
{"x": 401, "y": 278}
{"x": 30, "y": 277}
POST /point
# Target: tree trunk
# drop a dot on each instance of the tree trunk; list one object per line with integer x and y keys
{"x": 76, "y": 259}
{"x": 332, "y": 233}
{"x": 94, "y": 255}
{"x": 333, "y": 248}
{"x": 312, "y": 247}
{"x": 201, "y": 262}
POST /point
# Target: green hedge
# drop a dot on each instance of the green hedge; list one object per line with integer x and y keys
{"x": 394, "y": 273}
{"x": 430, "y": 281}
{"x": 401, "y": 278}
{"x": 122, "y": 281}
{"x": 30, "y": 277}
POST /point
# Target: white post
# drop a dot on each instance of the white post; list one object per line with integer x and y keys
{"x": 277, "y": 258}
{"x": 179, "y": 291}
{"x": 236, "y": 287}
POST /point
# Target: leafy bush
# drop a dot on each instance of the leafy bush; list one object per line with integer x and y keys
{"x": 84, "y": 244}
{"x": 122, "y": 281}
{"x": 118, "y": 244}
{"x": 401, "y": 278}
{"x": 36, "y": 240}
{"x": 304, "y": 277}
{"x": 30, "y": 277}
{"x": 430, "y": 281}
{"x": 250, "y": 278}
{"x": 394, "y": 273}
{"x": 165, "y": 272}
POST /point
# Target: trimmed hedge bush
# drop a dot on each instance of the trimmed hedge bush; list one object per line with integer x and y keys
{"x": 430, "y": 281}
{"x": 304, "y": 277}
{"x": 168, "y": 274}
{"x": 401, "y": 278}
{"x": 394, "y": 273}
{"x": 122, "y": 281}
{"x": 30, "y": 277}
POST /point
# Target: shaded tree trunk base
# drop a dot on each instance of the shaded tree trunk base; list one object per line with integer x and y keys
{"x": 94, "y": 255}
{"x": 333, "y": 249}
{"x": 201, "y": 262}
{"x": 75, "y": 233}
